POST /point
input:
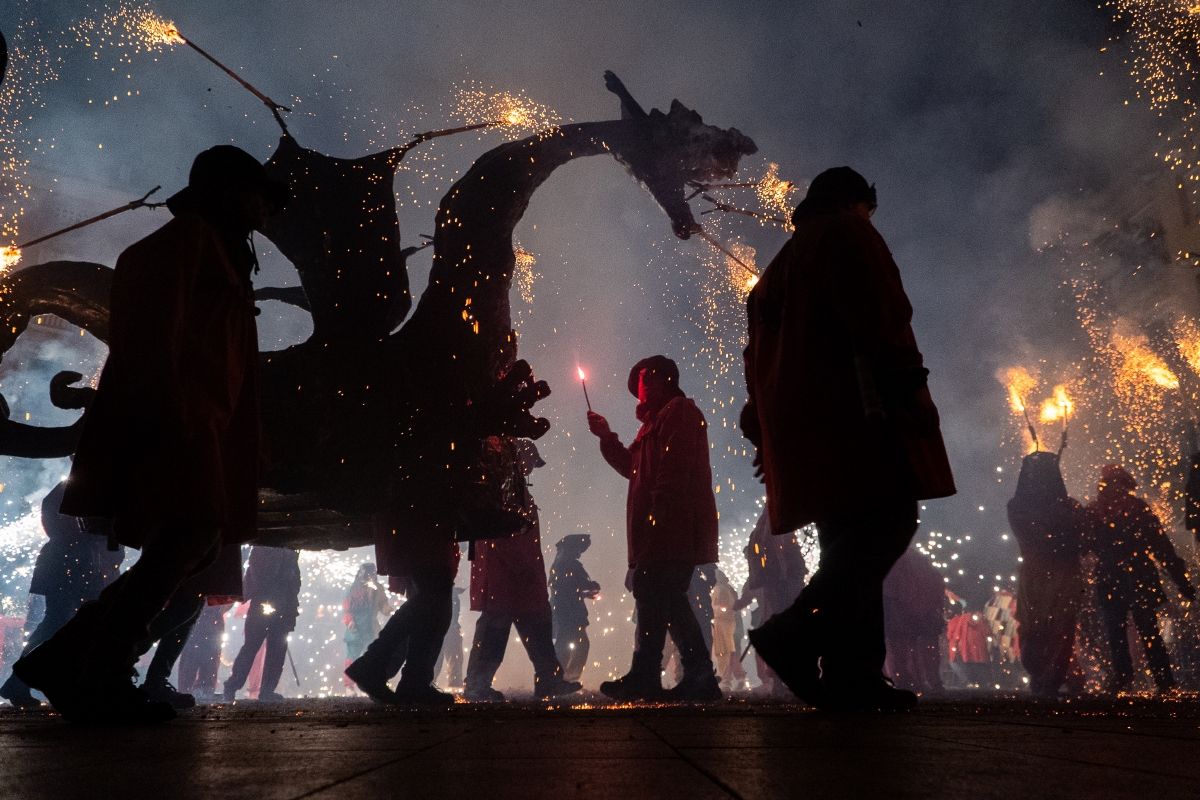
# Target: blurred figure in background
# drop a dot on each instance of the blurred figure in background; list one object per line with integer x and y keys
{"x": 273, "y": 592}
{"x": 570, "y": 588}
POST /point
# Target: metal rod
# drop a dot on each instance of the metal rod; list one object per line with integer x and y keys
{"x": 704, "y": 235}
{"x": 132, "y": 204}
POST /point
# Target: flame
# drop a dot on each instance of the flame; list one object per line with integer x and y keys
{"x": 130, "y": 27}
{"x": 159, "y": 31}
{"x": 1141, "y": 365}
{"x": 582, "y": 375}
{"x": 1187, "y": 340}
{"x": 9, "y": 257}
{"x": 1019, "y": 382}
{"x": 739, "y": 280}
{"x": 1058, "y": 407}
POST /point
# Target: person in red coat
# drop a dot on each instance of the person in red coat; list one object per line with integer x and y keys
{"x": 508, "y": 588}
{"x": 671, "y": 527}
{"x": 847, "y": 437}
{"x": 169, "y": 449}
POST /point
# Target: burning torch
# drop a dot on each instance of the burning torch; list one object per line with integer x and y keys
{"x": 583, "y": 383}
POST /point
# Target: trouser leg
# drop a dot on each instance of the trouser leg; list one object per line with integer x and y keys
{"x": 537, "y": 634}
{"x": 277, "y": 645}
{"x": 487, "y": 649}
{"x": 256, "y": 634}
{"x": 841, "y": 608}
{"x": 172, "y": 633}
{"x": 1115, "y": 613}
{"x": 652, "y": 601}
{"x": 1146, "y": 620}
{"x": 695, "y": 656}
{"x": 434, "y": 601}
{"x": 103, "y": 636}
{"x": 453, "y": 647}
{"x": 59, "y": 608}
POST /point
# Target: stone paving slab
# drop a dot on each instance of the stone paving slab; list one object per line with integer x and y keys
{"x": 970, "y": 749}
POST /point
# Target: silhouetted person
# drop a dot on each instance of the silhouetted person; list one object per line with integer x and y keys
{"x": 726, "y": 646}
{"x": 570, "y": 588}
{"x": 273, "y": 591}
{"x": 671, "y": 527}
{"x": 508, "y": 588}
{"x": 71, "y": 569}
{"x": 169, "y": 449}
{"x": 200, "y": 660}
{"x": 913, "y": 597}
{"x": 847, "y": 437}
{"x": 775, "y": 575}
{"x": 1049, "y": 527}
{"x": 423, "y": 568}
{"x": 365, "y": 602}
{"x": 1131, "y": 545}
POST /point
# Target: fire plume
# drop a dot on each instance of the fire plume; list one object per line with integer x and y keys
{"x": 514, "y": 112}
{"x": 775, "y": 193}
{"x": 1139, "y": 365}
{"x": 1019, "y": 382}
{"x": 9, "y": 257}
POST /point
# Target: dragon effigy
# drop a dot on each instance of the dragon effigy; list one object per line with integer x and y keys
{"x": 372, "y": 414}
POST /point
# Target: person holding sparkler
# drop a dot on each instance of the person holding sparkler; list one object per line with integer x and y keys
{"x": 847, "y": 438}
{"x": 169, "y": 448}
{"x": 671, "y": 525}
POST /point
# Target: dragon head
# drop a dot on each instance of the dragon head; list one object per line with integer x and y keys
{"x": 675, "y": 150}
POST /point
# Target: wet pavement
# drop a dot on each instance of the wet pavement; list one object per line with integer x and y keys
{"x": 343, "y": 748}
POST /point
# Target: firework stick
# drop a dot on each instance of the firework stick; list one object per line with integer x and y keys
{"x": 132, "y": 204}
{"x": 716, "y": 244}
{"x": 267, "y": 101}
{"x": 586, "y": 399}
{"x": 1032, "y": 431}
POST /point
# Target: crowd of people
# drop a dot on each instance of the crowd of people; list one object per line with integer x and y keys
{"x": 846, "y": 438}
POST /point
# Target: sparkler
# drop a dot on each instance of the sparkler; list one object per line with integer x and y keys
{"x": 516, "y": 113}
{"x": 13, "y": 252}
{"x": 728, "y": 253}
{"x": 583, "y": 383}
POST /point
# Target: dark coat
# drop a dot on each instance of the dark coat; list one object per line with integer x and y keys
{"x": 570, "y": 585}
{"x": 273, "y": 576}
{"x": 838, "y": 403}
{"x": 76, "y": 561}
{"x": 172, "y": 434}
{"x": 1130, "y": 545}
{"x": 508, "y": 575}
{"x": 671, "y": 513}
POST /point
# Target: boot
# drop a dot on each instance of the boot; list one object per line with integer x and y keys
{"x": 425, "y": 696}
{"x": 54, "y": 672}
{"x": 368, "y": 677}
{"x": 873, "y": 694}
{"x": 698, "y": 688}
{"x": 554, "y": 686}
{"x": 119, "y": 702}
{"x": 17, "y": 693}
{"x": 484, "y": 694}
{"x": 634, "y": 688}
{"x": 270, "y": 697}
{"x": 160, "y": 690}
{"x": 793, "y": 657}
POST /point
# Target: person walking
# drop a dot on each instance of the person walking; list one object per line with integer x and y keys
{"x": 169, "y": 447}
{"x": 570, "y": 588}
{"x": 847, "y": 437}
{"x": 671, "y": 528}
{"x": 273, "y": 591}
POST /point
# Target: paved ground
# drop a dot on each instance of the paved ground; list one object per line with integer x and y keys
{"x": 346, "y": 749}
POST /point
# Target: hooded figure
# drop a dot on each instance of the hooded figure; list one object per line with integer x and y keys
{"x": 570, "y": 587}
{"x": 846, "y": 431}
{"x": 671, "y": 527}
{"x": 1049, "y": 527}
{"x": 1131, "y": 545}
{"x": 169, "y": 449}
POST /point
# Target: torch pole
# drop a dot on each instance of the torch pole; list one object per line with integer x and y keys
{"x": 140, "y": 202}
{"x": 267, "y": 101}
{"x": 586, "y": 399}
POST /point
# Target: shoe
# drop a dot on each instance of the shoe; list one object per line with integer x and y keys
{"x": 17, "y": 693}
{"x": 427, "y": 696}
{"x": 484, "y": 695}
{"x": 875, "y": 694}
{"x": 695, "y": 689}
{"x": 554, "y": 687}
{"x": 160, "y": 690}
{"x": 119, "y": 702}
{"x": 228, "y": 693}
{"x": 633, "y": 689}
{"x": 270, "y": 697}
{"x": 788, "y": 655}
{"x": 371, "y": 681}
{"x": 52, "y": 671}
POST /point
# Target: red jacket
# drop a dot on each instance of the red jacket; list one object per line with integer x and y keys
{"x": 671, "y": 513}
{"x": 508, "y": 575}
{"x": 173, "y": 431}
{"x": 838, "y": 404}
